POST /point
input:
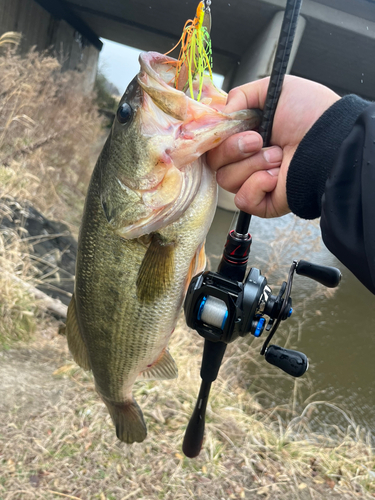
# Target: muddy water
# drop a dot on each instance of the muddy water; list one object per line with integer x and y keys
{"x": 336, "y": 332}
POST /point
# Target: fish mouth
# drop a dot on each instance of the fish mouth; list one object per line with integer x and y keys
{"x": 157, "y": 77}
{"x": 180, "y": 130}
{"x": 158, "y": 66}
{"x": 196, "y": 126}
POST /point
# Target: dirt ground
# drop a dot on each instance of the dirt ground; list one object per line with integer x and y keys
{"x": 27, "y": 382}
{"x": 57, "y": 441}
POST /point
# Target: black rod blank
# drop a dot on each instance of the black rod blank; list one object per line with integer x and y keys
{"x": 280, "y": 64}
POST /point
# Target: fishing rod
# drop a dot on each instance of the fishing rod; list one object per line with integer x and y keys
{"x": 225, "y": 305}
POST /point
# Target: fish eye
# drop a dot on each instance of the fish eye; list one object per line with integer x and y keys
{"x": 124, "y": 113}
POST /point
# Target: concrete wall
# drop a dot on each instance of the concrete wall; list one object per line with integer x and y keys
{"x": 40, "y": 29}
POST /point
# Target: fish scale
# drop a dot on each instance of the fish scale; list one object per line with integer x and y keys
{"x": 134, "y": 316}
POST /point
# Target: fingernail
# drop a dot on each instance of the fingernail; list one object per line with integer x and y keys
{"x": 273, "y": 155}
{"x": 274, "y": 172}
{"x": 248, "y": 143}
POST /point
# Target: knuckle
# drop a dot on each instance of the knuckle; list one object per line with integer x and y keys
{"x": 221, "y": 177}
{"x": 233, "y": 92}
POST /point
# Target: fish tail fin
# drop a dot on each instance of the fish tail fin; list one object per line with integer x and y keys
{"x": 128, "y": 420}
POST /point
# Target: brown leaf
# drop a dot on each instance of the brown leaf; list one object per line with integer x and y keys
{"x": 331, "y": 483}
{"x": 11, "y": 466}
{"x": 84, "y": 431}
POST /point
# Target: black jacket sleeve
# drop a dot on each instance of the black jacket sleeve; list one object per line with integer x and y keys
{"x": 332, "y": 175}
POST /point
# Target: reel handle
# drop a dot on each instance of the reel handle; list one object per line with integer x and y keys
{"x": 327, "y": 276}
{"x": 293, "y": 363}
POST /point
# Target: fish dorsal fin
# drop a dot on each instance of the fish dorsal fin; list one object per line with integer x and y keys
{"x": 157, "y": 269}
{"x": 75, "y": 341}
{"x": 164, "y": 368}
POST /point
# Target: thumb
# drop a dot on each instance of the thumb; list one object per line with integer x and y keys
{"x": 248, "y": 96}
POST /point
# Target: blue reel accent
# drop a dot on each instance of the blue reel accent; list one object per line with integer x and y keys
{"x": 260, "y": 327}
{"x": 201, "y": 307}
{"x": 290, "y": 312}
{"x": 224, "y": 320}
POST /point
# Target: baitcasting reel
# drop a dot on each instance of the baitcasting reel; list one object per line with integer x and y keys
{"x": 221, "y": 307}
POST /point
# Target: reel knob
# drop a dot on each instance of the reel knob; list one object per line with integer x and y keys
{"x": 293, "y": 363}
{"x": 258, "y": 326}
{"x": 326, "y": 275}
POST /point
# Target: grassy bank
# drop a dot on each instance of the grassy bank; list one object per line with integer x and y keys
{"x": 60, "y": 442}
{"x": 49, "y": 133}
{"x": 50, "y": 136}
{"x": 56, "y": 437}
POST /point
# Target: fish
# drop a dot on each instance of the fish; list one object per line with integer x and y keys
{"x": 149, "y": 205}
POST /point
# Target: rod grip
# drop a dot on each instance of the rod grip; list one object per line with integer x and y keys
{"x": 213, "y": 354}
{"x": 194, "y": 433}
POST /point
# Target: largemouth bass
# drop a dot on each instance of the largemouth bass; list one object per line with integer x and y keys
{"x": 150, "y": 203}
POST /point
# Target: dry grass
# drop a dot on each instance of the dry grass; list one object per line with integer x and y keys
{"x": 56, "y": 437}
{"x": 49, "y": 134}
{"x": 17, "y": 309}
{"x": 60, "y": 442}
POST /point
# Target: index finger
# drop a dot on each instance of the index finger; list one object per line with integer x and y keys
{"x": 248, "y": 96}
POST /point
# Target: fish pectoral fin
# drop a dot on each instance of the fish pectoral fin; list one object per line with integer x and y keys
{"x": 197, "y": 265}
{"x": 75, "y": 341}
{"x": 164, "y": 368}
{"x": 128, "y": 419}
{"x": 157, "y": 269}
{"x": 201, "y": 260}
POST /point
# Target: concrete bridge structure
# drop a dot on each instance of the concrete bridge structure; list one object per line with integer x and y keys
{"x": 335, "y": 42}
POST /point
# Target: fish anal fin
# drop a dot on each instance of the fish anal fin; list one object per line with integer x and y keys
{"x": 157, "y": 269}
{"x": 128, "y": 420}
{"x": 75, "y": 341}
{"x": 164, "y": 368}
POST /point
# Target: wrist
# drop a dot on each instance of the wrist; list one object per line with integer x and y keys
{"x": 315, "y": 155}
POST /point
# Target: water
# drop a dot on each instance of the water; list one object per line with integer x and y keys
{"x": 338, "y": 332}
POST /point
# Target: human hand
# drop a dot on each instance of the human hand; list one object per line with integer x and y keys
{"x": 256, "y": 175}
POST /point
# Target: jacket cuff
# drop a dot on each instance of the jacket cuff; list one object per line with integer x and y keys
{"x": 313, "y": 160}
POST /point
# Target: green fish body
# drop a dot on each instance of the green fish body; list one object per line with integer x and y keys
{"x": 149, "y": 206}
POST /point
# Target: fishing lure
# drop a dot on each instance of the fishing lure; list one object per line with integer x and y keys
{"x": 195, "y": 56}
